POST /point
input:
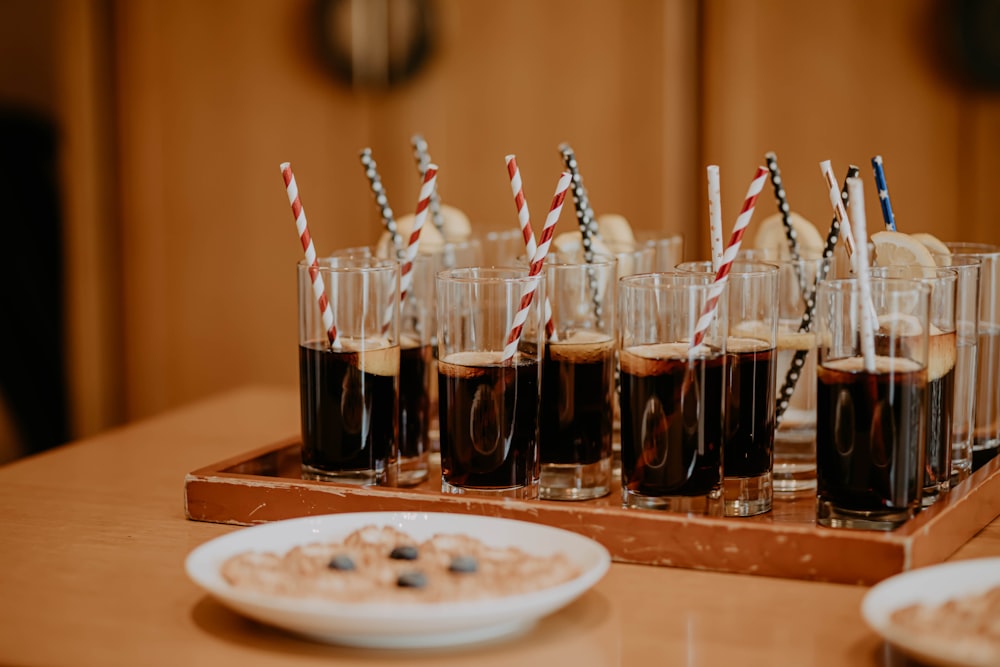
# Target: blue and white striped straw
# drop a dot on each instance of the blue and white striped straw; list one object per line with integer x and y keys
{"x": 883, "y": 194}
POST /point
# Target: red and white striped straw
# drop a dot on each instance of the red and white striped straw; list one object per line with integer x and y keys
{"x": 839, "y": 211}
{"x": 544, "y": 242}
{"x": 423, "y": 208}
{"x": 722, "y": 274}
{"x": 856, "y": 193}
{"x": 524, "y": 220}
{"x": 715, "y": 215}
{"x": 319, "y": 289}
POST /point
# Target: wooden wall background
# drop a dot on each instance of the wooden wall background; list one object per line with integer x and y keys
{"x": 177, "y": 114}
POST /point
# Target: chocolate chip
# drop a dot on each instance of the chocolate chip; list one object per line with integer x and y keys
{"x": 411, "y": 580}
{"x": 341, "y": 562}
{"x": 404, "y": 552}
{"x": 463, "y": 564}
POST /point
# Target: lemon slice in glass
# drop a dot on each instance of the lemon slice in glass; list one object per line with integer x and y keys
{"x": 771, "y": 234}
{"x": 935, "y": 245}
{"x": 899, "y": 249}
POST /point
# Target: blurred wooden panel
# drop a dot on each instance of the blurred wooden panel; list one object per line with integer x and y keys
{"x": 213, "y": 96}
{"x": 845, "y": 82}
{"x": 93, "y": 336}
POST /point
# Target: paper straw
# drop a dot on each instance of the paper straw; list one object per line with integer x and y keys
{"x": 521, "y": 204}
{"x": 544, "y": 242}
{"x": 423, "y": 207}
{"x": 845, "y": 227}
{"x": 375, "y": 182}
{"x": 722, "y": 275}
{"x": 423, "y": 158}
{"x": 587, "y": 224}
{"x": 838, "y": 211}
{"x": 319, "y": 288}
{"x": 786, "y": 219}
{"x": 715, "y": 215}
{"x": 883, "y": 194}
{"x": 584, "y": 213}
{"x": 856, "y": 189}
{"x": 784, "y": 395}
{"x": 524, "y": 221}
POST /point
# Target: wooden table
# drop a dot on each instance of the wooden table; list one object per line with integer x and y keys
{"x": 94, "y": 538}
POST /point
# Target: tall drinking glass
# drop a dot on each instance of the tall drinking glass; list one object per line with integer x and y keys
{"x": 986, "y": 434}
{"x": 795, "y": 436}
{"x": 941, "y": 371}
{"x": 668, "y": 251}
{"x": 488, "y": 400}
{"x": 671, "y": 393}
{"x": 578, "y": 387}
{"x": 871, "y": 402}
{"x": 349, "y": 376}
{"x": 417, "y": 323}
{"x": 751, "y": 361}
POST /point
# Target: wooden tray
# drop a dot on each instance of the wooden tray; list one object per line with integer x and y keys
{"x": 265, "y": 485}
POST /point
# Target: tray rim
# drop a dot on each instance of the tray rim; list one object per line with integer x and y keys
{"x": 916, "y": 543}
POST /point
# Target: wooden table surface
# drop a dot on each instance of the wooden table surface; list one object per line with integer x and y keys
{"x": 94, "y": 538}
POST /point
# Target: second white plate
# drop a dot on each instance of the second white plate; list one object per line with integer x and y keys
{"x": 932, "y": 586}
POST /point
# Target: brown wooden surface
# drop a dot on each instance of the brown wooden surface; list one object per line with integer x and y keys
{"x": 94, "y": 540}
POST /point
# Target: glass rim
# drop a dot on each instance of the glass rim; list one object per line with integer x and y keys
{"x": 645, "y": 281}
{"x": 941, "y": 272}
{"x": 773, "y": 267}
{"x": 600, "y": 259}
{"x": 479, "y": 275}
{"x": 854, "y": 284}
{"x": 357, "y": 264}
{"x": 971, "y": 249}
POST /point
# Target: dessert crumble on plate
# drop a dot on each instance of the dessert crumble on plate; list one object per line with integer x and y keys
{"x": 383, "y": 564}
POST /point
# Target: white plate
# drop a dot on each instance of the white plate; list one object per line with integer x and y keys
{"x": 933, "y": 586}
{"x": 385, "y": 625}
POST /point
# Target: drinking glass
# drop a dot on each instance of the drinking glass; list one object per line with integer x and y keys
{"x": 488, "y": 400}
{"x": 795, "y": 434}
{"x": 871, "y": 402}
{"x": 578, "y": 387}
{"x": 349, "y": 374}
{"x": 668, "y": 251}
{"x": 632, "y": 258}
{"x": 417, "y": 324}
{"x": 941, "y": 371}
{"x": 986, "y": 434}
{"x": 751, "y": 362}
{"x": 671, "y": 393}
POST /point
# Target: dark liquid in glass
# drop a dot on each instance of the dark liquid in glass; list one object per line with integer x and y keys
{"x": 489, "y": 420}
{"x": 870, "y": 434}
{"x": 749, "y": 435}
{"x": 348, "y": 414}
{"x": 940, "y": 401}
{"x": 414, "y": 402}
{"x": 575, "y": 424}
{"x": 986, "y": 436}
{"x": 671, "y": 421}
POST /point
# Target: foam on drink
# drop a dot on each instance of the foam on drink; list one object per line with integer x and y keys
{"x": 581, "y": 347}
{"x": 796, "y": 340}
